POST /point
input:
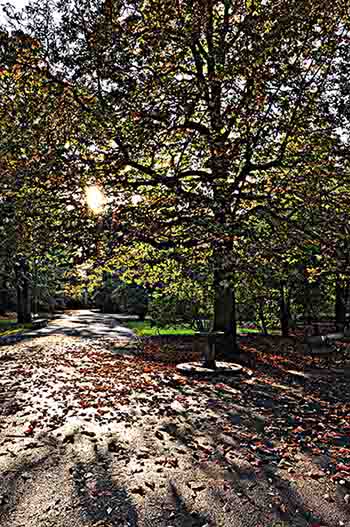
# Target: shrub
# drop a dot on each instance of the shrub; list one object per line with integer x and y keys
{"x": 170, "y": 311}
{"x": 130, "y": 299}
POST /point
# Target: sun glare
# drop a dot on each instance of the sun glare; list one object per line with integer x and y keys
{"x": 95, "y": 199}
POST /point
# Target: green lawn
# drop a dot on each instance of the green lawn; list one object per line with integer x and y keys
{"x": 144, "y": 329}
{"x": 9, "y": 327}
{"x": 4, "y": 323}
{"x": 248, "y": 330}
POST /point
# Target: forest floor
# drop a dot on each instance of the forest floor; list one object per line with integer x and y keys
{"x": 93, "y": 436}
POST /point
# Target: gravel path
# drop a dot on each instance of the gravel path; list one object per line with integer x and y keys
{"x": 91, "y": 438}
{"x": 87, "y": 324}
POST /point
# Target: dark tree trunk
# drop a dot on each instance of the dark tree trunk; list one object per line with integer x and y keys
{"x": 24, "y": 296}
{"x": 262, "y": 318}
{"x": 307, "y": 303}
{"x": 20, "y": 305}
{"x": 3, "y": 300}
{"x": 27, "y": 301}
{"x": 225, "y": 318}
{"x": 340, "y": 304}
{"x": 283, "y": 314}
{"x": 289, "y": 303}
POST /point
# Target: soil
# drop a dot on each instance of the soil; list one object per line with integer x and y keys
{"x": 92, "y": 434}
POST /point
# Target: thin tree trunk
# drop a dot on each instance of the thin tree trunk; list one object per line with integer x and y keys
{"x": 20, "y": 304}
{"x": 340, "y": 304}
{"x": 289, "y": 302}
{"x": 283, "y": 313}
{"x": 307, "y": 303}
{"x": 24, "y": 297}
{"x": 3, "y": 299}
{"x": 262, "y": 318}
{"x": 27, "y": 301}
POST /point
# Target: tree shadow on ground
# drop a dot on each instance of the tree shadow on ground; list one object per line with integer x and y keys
{"x": 95, "y": 497}
{"x": 289, "y": 503}
{"x": 16, "y": 478}
{"x": 183, "y": 516}
{"x": 103, "y": 497}
{"x": 279, "y": 499}
{"x": 100, "y": 497}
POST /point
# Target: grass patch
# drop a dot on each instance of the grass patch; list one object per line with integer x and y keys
{"x": 9, "y": 328}
{"x": 144, "y": 329}
{"x": 248, "y": 330}
{"x": 6, "y": 322}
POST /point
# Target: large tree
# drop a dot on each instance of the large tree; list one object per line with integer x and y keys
{"x": 196, "y": 106}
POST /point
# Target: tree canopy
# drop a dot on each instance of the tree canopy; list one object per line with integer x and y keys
{"x": 206, "y": 122}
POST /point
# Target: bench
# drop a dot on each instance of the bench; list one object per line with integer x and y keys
{"x": 321, "y": 344}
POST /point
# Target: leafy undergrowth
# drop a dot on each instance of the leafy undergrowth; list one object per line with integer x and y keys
{"x": 275, "y": 363}
{"x": 280, "y": 445}
{"x": 282, "y": 353}
{"x": 289, "y": 354}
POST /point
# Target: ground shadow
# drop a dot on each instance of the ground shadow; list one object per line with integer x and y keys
{"x": 100, "y": 497}
{"x": 183, "y": 516}
{"x": 16, "y": 478}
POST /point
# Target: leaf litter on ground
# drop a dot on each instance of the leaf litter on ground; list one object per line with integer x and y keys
{"x": 267, "y": 421}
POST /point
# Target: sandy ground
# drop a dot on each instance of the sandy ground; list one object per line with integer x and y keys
{"x": 91, "y": 438}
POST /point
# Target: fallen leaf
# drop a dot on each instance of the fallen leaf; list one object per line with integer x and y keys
{"x": 150, "y": 484}
{"x": 138, "y": 490}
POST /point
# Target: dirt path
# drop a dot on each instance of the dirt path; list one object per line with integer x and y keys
{"x": 91, "y": 438}
{"x": 87, "y": 324}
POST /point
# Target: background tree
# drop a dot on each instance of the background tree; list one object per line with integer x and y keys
{"x": 42, "y": 199}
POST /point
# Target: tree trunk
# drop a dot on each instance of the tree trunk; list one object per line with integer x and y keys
{"x": 283, "y": 314}
{"x": 307, "y": 303}
{"x": 340, "y": 304}
{"x": 262, "y": 318}
{"x": 20, "y": 304}
{"x": 224, "y": 303}
{"x": 3, "y": 300}
{"x": 24, "y": 297}
{"x": 225, "y": 317}
{"x": 289, "y": 303}
{"x": 27, "y": 293}
{"x": 24, "y": 302}
{"x": 35, "y": 304}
